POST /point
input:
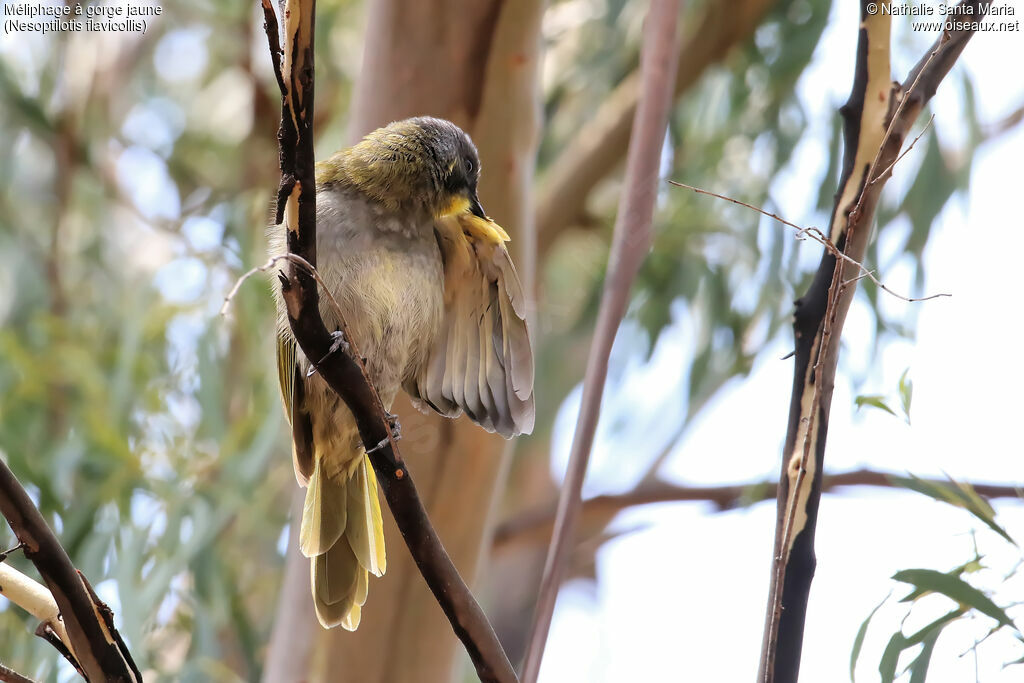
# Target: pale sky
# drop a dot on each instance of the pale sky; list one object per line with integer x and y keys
{"x": 684, "y": 598}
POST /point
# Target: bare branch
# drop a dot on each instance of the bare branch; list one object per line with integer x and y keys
{"x": 535, "y": 524}
{"x": 345, "y": 373}
{"x": 90, "y": 639}
{"x": 8, "y": 675}
{"x": 630, "y": 242}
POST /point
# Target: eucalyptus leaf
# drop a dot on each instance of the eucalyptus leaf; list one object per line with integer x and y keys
{"x": 958, "y": 494}
{"x": 873, "y": 401}
{"x": 956, "y": 589}
{"x": 858, "y": 641}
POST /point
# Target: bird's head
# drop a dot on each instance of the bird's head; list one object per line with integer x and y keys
{"x": 419, "y": 164}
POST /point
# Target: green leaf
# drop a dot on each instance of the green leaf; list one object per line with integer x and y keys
{"x": 957, "y": 494}
{"x": 891, "y": 657}
{"x": 858, "y": 642}
{"x": 906, "y": 393}
{"x": 956, "y": 589}
{"x": 919, "y": 667}
{"x": 899, "y": 642}
{"x": 874, "y": 401}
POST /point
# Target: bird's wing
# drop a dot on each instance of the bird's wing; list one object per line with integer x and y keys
{"x": 293, "y": 395}
{"x": 481, "y": 361}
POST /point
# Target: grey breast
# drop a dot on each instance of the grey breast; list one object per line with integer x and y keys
{"x": 386, "y": 273}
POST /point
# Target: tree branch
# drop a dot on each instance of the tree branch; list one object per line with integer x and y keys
{"x": 34, "y": 598}
{"x": 346, "y": 374}
{"x": 8, "y": 675}
{"x": 877, "y": 119}
{"x": 599, "y": 145}
{"x": 94, "y": 642}
{"x": 630, "y": 243}
{"x": 536, "y": 523}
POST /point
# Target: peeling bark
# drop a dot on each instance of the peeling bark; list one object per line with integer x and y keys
{"x": 876, "y": 120}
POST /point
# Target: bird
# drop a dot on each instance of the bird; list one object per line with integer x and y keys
{"x": 432, "y": 301}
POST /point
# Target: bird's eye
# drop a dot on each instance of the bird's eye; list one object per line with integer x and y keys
{"x": 469, "y": 165}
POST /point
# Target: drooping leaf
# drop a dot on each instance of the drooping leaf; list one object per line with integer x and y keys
{"x": 906, "y": 387}
{"x": 919, "y": 667}
{"x": 958, "y": 494}
{"x": 898, "y": 643}
{"x": 873, "y": 401}
{"x": 858, "y": 641}
{"x": 956, "y": 589}
{"x": 891, "y": 657}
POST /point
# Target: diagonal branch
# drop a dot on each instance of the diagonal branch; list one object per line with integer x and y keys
{"x": 346, "y": 373}
{"x": 8, "y": 675}
{"x": 877, "y": 120}
{"x": 92, "y": 640}
{"x": 630, "y": 243}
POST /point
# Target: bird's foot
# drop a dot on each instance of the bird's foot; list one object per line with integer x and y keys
{"x": 396, "y": 432}
{"x": 396, "y": 427}
{"x": 339, "y": 342}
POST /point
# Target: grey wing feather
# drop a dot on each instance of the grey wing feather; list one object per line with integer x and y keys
{"x": 481, "y": 361}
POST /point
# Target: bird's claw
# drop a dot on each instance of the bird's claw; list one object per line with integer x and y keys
{"x": 396, "y": 428}
{"x": 339, "y": 342}
{"x": 396, "y": 433}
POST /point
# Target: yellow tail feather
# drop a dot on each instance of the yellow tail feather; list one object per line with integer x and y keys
{"x": 324, "y": 514}
{"x": 365, "y": 528}
{"x": 336, "y": 577}
{"x": 342, "y": 531}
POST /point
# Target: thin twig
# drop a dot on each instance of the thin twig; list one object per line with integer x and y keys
{"x": 818, "y": 236}
{"x": 7, "y": 553}
{"x": 905, "y": 152}
{"x": 46, "y": 632}
{"x": 630, "y": 243}
{"x": 871, "y": 178}
{"x": 294, "y": 258}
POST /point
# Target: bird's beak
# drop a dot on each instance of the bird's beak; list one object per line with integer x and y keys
{"x": 475, "y": 208}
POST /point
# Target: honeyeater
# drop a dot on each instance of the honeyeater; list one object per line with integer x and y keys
{"x": 433, "y": 302}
